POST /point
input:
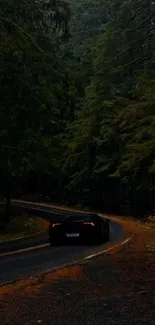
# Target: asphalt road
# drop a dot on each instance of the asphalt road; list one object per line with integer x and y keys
{"x": 29, "y": 264}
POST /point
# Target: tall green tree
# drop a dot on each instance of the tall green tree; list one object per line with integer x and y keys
{"x": 33, "y": 89}
{"x": 116, "y": 116}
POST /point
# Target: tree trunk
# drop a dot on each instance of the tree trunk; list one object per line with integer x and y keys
{"x": 133, "y": 199}
{"x": 150, "y": 196}
{"x": 8, "y": 205}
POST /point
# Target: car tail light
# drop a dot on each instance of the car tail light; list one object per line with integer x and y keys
{"x": 89, "y": 223}
{"x": 55, "y": 224}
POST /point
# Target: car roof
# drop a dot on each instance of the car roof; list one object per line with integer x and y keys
{"x": 81, "y": 216}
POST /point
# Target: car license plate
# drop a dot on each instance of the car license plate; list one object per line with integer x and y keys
{"x": 73, "y": 235}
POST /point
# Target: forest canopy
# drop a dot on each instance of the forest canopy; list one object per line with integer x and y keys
{"x": 77, "y": 95}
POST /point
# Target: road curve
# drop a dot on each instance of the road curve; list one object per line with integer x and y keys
{"x": 29, "y": 264}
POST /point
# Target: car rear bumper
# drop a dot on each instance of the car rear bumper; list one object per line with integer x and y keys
{"x": 84, "y": 238}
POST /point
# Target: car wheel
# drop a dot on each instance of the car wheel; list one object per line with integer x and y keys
{"x": 99, "y": 239}
{"x": 54, "y": 242}
{"x": 106, "y": 236}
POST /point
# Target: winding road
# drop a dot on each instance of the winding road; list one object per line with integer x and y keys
{"x": 43, "y": 258}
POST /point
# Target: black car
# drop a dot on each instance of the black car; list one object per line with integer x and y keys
{"x": 86, "y": 228}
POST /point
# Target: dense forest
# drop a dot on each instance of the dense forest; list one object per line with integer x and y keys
{"x": 77, "y": 100}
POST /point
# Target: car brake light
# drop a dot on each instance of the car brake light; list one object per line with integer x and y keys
{"x": 55, "y": 224}
{"x": 89, "y": 223}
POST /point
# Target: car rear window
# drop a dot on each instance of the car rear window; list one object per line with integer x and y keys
{"x": 79, "y": 218}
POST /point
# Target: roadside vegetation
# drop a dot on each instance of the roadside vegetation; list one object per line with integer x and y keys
{"x": 20, "y": 225}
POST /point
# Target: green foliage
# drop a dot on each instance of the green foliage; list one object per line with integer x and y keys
{"x": 77, "y": 94}
{"x": 112, "y": 137}
{"x": 33, "y": 87}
